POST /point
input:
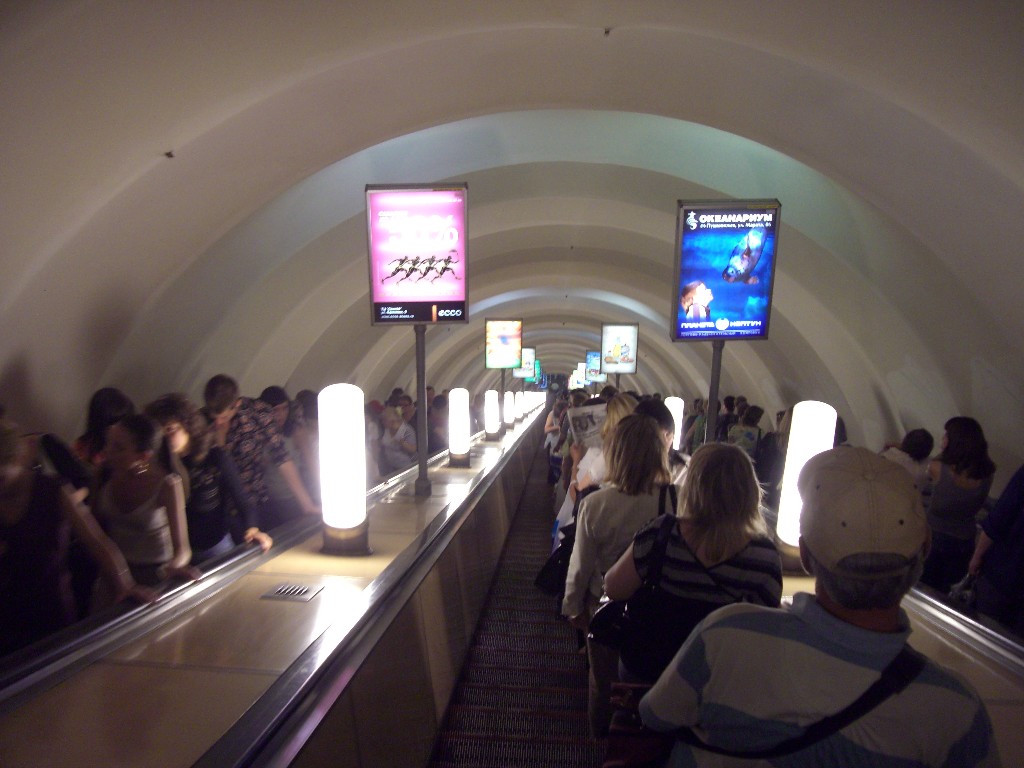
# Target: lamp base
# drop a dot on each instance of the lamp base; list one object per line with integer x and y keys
{"x": 458, "y": 460}
{"x": 350, "y": 542}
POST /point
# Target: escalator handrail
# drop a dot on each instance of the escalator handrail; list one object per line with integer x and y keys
{"x": 273, "y": 730}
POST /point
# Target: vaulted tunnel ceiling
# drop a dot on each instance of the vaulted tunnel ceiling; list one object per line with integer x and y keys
{"x": 897, "y": 158}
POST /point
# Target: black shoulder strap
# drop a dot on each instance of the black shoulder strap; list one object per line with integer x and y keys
{"x": 668, "y": 490}
{"x": 710, "y": 574}
{"x": 900, "y": 672}
{"x": 660, "y": 547}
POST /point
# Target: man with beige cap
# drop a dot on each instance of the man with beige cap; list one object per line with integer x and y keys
{"x": 760, "y": 681}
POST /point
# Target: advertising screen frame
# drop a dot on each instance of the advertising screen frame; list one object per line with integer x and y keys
{"x": 526, "y": 370}
{"x": 594, "y": 373}
{"x": 494, "y": 331}
{"x": 619, "y": 361}
{"x": 407, "y": 228}
{"x": 726, "y": 252}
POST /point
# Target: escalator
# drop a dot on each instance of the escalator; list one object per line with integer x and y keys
{"x": 437, "y": 650}
{"x": 522, "y": 696}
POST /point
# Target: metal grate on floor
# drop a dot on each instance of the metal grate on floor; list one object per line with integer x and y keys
{"x": 299, "y": 593}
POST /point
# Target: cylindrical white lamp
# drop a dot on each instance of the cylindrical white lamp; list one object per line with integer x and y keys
{"x": 492, "y": 417}
{"x": 677, "y": 408}
{"x": 458, "y": 428}
{"x": 508, "y": 410}
{"x": 343, "y": 470}
{"x": 812, "y": 431}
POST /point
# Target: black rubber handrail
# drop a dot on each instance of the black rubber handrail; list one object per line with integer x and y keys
{"x": 56, "y": 657}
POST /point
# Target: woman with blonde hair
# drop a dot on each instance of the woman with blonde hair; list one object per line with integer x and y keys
{"x": 638, "y": 488}
{"x": 590, "y": 465}
{"x": 715, "y": 552}
{"x": 590, "y": 468}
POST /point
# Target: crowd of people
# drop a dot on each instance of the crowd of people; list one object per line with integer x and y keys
{"x": 686, "y": 530}
{"x": 392, "y": 430}
{"x": 145, "y": 495}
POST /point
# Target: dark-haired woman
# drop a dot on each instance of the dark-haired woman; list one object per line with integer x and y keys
{"x": 106, "y": 406}
{"x": 960, "y": 479}
{"x": 141, "y": 505}
{"x": 212, "y": 485}
{"x": 37, "y": 518}
{"x": 747, "y": 433}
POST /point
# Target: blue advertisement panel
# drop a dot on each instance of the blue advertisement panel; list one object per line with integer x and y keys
{"x": 594, "y": 367}
{"x": 725, "y": 273}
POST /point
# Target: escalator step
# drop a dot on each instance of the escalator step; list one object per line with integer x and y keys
{"x": 522, "y": 697}
{"x": 501, "y": 753}
{"x": 518, "y": 723}
{"x": 522, "y": 676}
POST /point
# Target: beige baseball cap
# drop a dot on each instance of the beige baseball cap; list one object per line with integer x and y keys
{"x": 855, "y": 501}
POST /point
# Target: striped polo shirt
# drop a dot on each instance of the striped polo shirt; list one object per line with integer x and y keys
{"x": 750, "y": 677}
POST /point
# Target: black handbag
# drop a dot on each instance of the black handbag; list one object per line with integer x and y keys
{"x": 615, "y": 621}
{"x": 650, "y": 627}
{"x": 551, "y": 578}
{"x": 552, "y": 575}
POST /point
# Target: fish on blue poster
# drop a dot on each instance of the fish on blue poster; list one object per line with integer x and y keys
{"x": 726, "y": 268}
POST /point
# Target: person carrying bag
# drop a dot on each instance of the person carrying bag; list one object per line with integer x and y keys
{"x": 752, "y": 678}
{"x": 605, "y": 524}
{"x": 632, "y": 745}
{"x": 680, "y": 569}
{"x": 551, "y": 577}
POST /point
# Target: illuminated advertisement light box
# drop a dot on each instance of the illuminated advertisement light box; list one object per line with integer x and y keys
{"x": 538, "y": 374}
{"x": 725, "y": 269}
{"x": 503, "y": 344}
{"x": 594, "y": 367}
{"x": 619, "y": 348}
{"x": 527, "y": 369}
{"x": 417, "y": 249}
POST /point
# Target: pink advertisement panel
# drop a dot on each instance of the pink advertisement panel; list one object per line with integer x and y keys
{"x": 417, "y": 243}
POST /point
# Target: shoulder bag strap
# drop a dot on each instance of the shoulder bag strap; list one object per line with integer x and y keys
{"x": 899, "y": 673}
{"x": 737, "y": 597}
{"x": 668, "y": 490}
{"x": 668, "y": 522}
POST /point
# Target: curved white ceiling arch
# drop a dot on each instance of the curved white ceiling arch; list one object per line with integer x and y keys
{"x": 901, "y": 179}
{"x": 305, "y": 205}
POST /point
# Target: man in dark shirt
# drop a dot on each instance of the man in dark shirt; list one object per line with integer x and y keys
{"x": 245, "y": 427}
